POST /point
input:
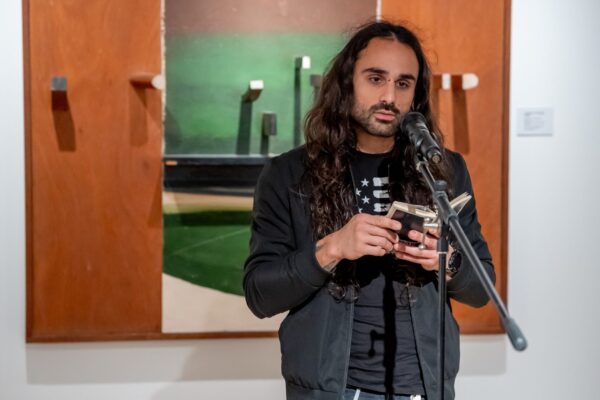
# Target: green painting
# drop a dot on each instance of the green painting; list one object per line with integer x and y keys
{"x": 206, "y": 77}
{"x": 208, "y": 74}
{"x": 212, "y": 51}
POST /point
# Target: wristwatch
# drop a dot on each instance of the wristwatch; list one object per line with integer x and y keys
{"x": 454, "y": 263}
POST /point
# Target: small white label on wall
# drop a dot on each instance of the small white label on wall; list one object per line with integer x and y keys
{"x": 535, "y": 121}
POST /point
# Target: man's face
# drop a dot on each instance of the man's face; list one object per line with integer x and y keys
{"x": 384, "y": 81}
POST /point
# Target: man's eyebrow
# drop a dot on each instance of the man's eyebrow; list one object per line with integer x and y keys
{"x": 381, "y": 71}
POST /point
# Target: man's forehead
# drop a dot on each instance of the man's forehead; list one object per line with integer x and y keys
{"x": 387, "y": 56}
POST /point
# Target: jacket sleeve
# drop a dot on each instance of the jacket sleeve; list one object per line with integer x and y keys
{"x": 277, "y": 275}
{"x": 465, "y": 286}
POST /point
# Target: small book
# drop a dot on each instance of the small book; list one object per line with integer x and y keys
{"x": 414, "y": 217}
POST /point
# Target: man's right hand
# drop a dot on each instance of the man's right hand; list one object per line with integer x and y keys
{"x": 363, "y": 235}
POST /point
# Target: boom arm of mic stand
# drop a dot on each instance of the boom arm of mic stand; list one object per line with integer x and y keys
{"x": 512, "y": 329}
{"x": 450, "y": 217}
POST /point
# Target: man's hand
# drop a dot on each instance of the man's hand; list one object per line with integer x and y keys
{"x": 428, "y": 257}
{"x": 363, "y": 235}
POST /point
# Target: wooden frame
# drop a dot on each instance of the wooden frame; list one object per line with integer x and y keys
{"x": 31, "y": 335}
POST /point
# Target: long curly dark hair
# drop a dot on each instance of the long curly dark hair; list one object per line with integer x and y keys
{"x": 330, "y": 135}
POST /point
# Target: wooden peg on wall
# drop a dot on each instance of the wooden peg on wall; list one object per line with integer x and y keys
{"x": 148, "y": 80}
{"x": 58, "y": 88}
{"x": 469, "y": 81}
{"x": 143, "y": 101}
{"x": 64, "y": 127}
{"x": 448, "y": 81}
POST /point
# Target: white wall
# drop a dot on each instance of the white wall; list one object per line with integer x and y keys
{"x": 552, "y": 266}
{"x": 551, "y": 263}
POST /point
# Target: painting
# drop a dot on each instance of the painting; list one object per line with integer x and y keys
{"x": 240, "y": 76}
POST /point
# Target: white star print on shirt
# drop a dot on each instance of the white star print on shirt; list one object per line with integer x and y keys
{"x": 369, "y": 187}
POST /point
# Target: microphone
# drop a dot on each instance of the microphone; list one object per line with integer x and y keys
{"x": 414, "y": 125}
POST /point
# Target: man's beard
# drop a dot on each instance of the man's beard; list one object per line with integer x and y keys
{"x": 366, "y": 120}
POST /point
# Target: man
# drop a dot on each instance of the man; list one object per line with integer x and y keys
{"x": 362, "y": 302}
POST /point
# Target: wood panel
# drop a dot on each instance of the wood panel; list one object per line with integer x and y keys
{"x": 94, "y": 222}
{"x": 463, "y": 36}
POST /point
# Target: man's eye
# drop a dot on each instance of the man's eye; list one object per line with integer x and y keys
{"x": 402, "y": 84}
{"x": 375, "y": 79}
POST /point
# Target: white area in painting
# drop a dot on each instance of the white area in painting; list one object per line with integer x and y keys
{"x": 192, "y": 308}
{"x": 178, "y": 203}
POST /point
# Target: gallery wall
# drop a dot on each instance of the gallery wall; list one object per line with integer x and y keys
{"x": 551, "y": 260}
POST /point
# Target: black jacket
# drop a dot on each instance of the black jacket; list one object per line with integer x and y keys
{"x": 282, "y": 274}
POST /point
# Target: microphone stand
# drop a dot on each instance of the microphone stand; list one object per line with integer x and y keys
{"x": 449, "y": 220}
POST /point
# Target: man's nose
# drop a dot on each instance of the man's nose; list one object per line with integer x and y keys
{"x": 388, "y": 92}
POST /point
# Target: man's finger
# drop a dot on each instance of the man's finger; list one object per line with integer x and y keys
{"x": 426, "y": 263}
{"x": 374, "y": 251}
{"x": 415, "y": 251}
{"x": 386, "y": 233}
{"x": 430, "y": 242}
{"x": 434, "y": 232}
{"x": 385, "y": 222}
{"x": 380, "y": 242}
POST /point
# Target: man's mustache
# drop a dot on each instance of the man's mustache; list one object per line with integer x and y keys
{"x": 385, "y": 106}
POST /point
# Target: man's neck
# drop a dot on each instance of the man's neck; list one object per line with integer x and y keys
{"x": 370, "y": 144}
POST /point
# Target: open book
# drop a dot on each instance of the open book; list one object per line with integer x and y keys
{"x": 414, "y": 217}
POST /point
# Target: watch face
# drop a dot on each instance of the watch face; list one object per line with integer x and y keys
{"x": 457, "y": 260}
{"x": 454, "y": 263}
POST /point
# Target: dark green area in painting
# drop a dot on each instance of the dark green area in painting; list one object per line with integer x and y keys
{"x": 206, "y": 76}
{"x": 207, "y": 248}
{"x": 208, "y": 73}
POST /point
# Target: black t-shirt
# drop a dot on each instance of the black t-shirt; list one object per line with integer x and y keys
{"x": 383, "y": 356}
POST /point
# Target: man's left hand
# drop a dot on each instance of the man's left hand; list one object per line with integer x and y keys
{"x": 428, "y": 257}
